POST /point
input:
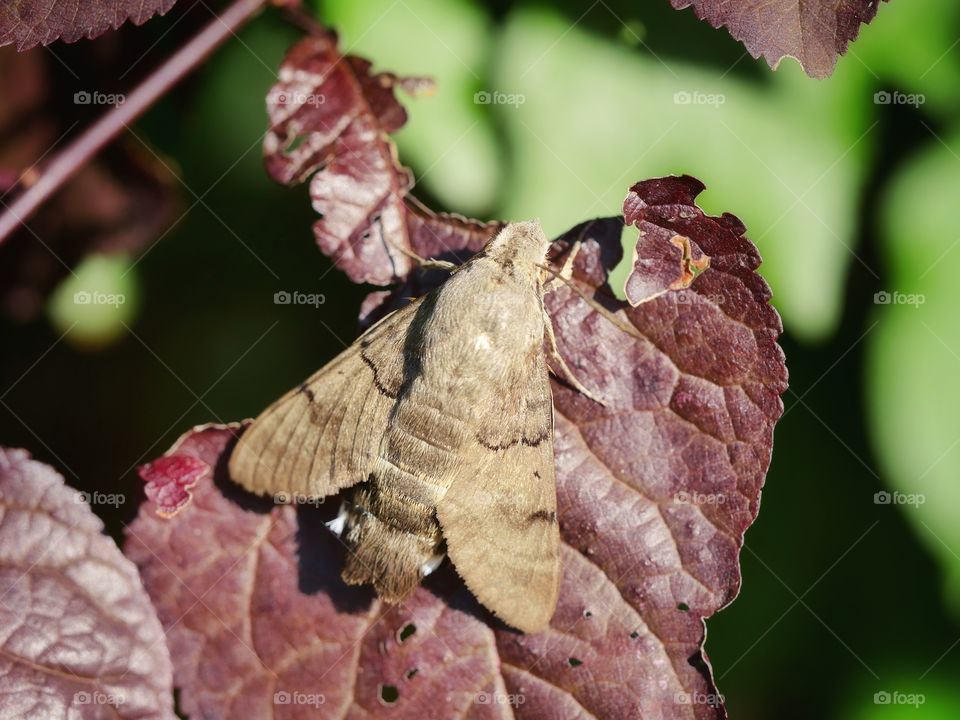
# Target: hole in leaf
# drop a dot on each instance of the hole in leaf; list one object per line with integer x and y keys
{"x": 406, "y": 631}
{"x": 574, "y": 662}
{"x": 389, "y": 694}
{"x": 683, "y": 607}
{"x": 293, "y": 143}
{"x": 412, "y": 672}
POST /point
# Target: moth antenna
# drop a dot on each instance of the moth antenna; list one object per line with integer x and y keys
{"x": 629, "y": 329}
{"x": 424, "y": 262}
{"x": 565, "y": 369}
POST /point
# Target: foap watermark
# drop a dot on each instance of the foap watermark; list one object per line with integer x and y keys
{"x": 884, "y": 97}
{"x": 295, "y": 97}
{"x": 285, "y": 498}
{"x": 99, "y": 498}
{"x": 898, "y": 498}
{"x": 97, "y": 698}
{"x": 697, "y": 97}
{"x": 895, "y": 697}
{"x": 698, "y": 498}
{"x": 83, "y": 297}
{"x": 884, "y": 297}
{"x": 690, "y": 297}
{"x": 282, "y": 697}
{"x": 299, "y": 298}
{"x": 498, "y": 698}
{"x": 85, "y": 97}
{"x": 698, "y": 698}
{"x": 495, "y": 97}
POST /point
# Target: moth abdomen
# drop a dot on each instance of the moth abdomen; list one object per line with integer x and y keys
{"x": 391, "y": 538}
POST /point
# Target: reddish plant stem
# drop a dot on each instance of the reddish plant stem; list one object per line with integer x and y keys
{"x": 65, "y": 163}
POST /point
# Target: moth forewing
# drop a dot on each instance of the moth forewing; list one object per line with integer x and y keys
{"x": 441, "y": 416}
{"x": 292, "y": 449}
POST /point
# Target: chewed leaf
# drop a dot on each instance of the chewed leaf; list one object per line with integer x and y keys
{"x": 814, "y": 33}
{"x": 27, "y": 23}
{"x": 330, "y": 119}
{"x": 661, "y": 266}
{"x": 655, "y": 491}
{"x": 78, "y": 634}
{"x": 669, "y": 254}
{"x": 170, "y": 479}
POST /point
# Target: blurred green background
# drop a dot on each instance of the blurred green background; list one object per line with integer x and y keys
{"x": 852, "y": 200}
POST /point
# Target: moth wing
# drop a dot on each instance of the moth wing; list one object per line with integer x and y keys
{"x": 499, "y": 516}
{"x": 323, "y": 436}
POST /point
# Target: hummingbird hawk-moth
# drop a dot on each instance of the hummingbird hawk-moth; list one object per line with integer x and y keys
{"x": 440, "y": 417}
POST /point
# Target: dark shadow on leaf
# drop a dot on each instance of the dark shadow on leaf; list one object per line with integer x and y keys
{"x": 233, "y": 491}
{"x": 320, "y": 557}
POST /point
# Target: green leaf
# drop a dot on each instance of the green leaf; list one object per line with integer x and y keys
{"x": 914, "y": 353}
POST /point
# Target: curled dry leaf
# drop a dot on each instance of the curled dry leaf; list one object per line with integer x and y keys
{"x": 330, "y": 118}
{"x": 814, "y": 32}
{"x": 79, "y": 636}
{"x": 169, "y": 481}
{"x": 27, "y": 23}
{"x": 655, "y": 491}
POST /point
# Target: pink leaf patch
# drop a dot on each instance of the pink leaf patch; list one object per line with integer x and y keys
{"x": 169, "y": 480}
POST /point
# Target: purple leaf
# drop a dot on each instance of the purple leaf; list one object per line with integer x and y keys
{"x": 27, "y": 23}
{"x": 79, "y": 635}
{"x": 813, "y": 32}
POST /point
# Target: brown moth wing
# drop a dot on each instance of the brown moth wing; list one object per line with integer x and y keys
{"x": 323, "y": 436}
{"x": 499, "y": 516}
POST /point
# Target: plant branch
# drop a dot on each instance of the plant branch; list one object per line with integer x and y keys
{"x": 62, "y": 166}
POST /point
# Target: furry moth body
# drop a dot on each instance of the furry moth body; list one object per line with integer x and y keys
{"x": 441, "y": 419}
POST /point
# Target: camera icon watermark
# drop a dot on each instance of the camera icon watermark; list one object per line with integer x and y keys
{"x": 96, "y": 697}
{"x": 896, "y": 697}
{"x": 282, "y": 697}
{"x": 294, "y": 97}
{"x": 497, "y": 698}
{"x": 98, "y": 498}
{"x": 696, "y": 97}
{"x": 495, "y": 97}
{"x": 885, "y": 297}
{"x": 898, "y": 498}
{"x": 83, "y": 297}
{"x": 285, "y": 498}
{"x": 884, "y": 97}
{"x": 698, "y": 698}
{"x": 690, "y": 297}
{"x": 284, "y": 297}
{"x": 686, "y": 497}
{"x": 85, "y": 97}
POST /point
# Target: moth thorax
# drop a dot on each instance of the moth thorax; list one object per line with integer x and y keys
{"x": 521, "y": 243}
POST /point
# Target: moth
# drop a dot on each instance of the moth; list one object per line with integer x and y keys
{"x": 440, "y": 417}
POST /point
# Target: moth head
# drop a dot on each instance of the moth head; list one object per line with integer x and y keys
{"x": 521, "y": 244}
